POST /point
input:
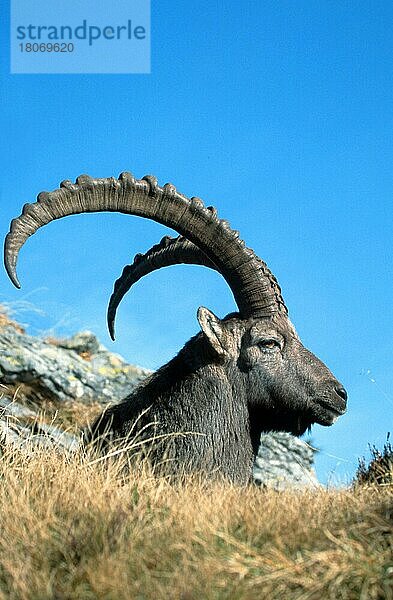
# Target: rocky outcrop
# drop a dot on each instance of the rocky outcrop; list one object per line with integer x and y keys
{"x": 79, "y": 368}
{"x": 284, "y": 461}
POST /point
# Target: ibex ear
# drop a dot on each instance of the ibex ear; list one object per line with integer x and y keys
{"x": 212, "y": 328}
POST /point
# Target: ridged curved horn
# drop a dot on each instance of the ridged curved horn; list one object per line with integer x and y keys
{"x": 255, "y": 290}
{"x": 170, "y": 251}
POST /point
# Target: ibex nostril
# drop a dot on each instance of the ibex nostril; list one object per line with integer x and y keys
{"x": 342, "y": 392}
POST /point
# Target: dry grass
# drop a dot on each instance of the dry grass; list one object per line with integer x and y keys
{"x": 71, "y": 529}
{"x": 71, "y": 416}
{"x": 68, "y": 416}
{"x": 380, "y": 468}
{"x": 6, "y": 321}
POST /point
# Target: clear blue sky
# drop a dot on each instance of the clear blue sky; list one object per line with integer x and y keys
{"x": 278, "y": 113}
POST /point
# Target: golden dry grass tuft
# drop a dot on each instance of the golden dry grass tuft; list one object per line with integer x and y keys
{"x": 6, "y": 321}
{"x": 70, "y": 416}
{"x": 74, "y": 528}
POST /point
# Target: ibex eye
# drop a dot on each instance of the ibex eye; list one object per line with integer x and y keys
{"x": 269, "y": 344}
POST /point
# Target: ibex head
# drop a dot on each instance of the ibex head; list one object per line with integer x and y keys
{"x": 259, "y": 342}
{"x": 279, "y": 375}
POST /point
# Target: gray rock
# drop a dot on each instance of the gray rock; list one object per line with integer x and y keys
{"x": 21, "y": 429}
{"x": 83, "y": 342}
{"x": 56, "y": 370}
{"x": 9, "y": 408}
{"x": 284, "y": 461}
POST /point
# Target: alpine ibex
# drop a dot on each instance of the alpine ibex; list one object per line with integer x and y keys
{"x": 240, "y": 376}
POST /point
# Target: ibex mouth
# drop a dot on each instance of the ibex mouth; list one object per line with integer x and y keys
{"x": 332, "y": 411}
{"x": 336, "y": 409}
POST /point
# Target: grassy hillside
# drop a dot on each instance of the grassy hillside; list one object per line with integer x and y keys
{"x": 72, "y": 528}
